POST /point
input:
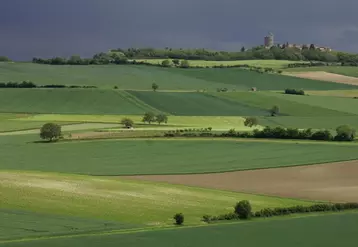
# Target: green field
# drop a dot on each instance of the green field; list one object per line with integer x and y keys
{"x": 275, "y": 64}
{"x": 141, "y": 77}
{"x": 70, "y": 101}
{"x": 129, "y": 203}
{"x": 196, "y": 104}
{"x": 320, "y": 231}
{"x": 16, "y": 224}
{"x": 127, "y": 157}
{"x": 342, "y": 70}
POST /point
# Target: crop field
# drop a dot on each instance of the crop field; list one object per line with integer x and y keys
{"x": 70, "y": 101}
{"x": 196, "y": 104}
{"x": 142, "y": 77}
{"x": 275, "y": 64}
{"x": 341, "y": 70}
{"x": 115, "y": 157}
{"x": 151, "y": 204}
{"x": 336, "y": 93}
{"x": 322, "y": 230}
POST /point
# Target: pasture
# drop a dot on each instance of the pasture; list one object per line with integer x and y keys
{"x": 322, "y": 230}
{"x": 129, "y": 203}
{"x": 135, "y": 157}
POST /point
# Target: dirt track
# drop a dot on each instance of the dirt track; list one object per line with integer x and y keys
{"x": 325, "y": 76}
{"x": 327, "y": 182}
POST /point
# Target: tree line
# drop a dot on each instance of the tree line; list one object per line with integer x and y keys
{"x": 243, "y": 211}
{"x": 128, "y": 56}
{"x": 29, "y": 84}
{"x": 5, "y": 59}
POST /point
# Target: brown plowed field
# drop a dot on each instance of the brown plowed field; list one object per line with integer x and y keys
{"x": 327, "y": 182}
{"x": 325, "y": 76}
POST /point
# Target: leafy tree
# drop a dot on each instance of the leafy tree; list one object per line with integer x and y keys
{"x": 148, "y": 117}
{"x": 250, "y": 121}
{"x": 155, "y": 87}
{"x": 166, "y": 63}
{"x": 243, "y": 49}
{"x": 345, "y": 133}
{"x": 274, "y": 110}
{"x": 243, "y": 209}
{"x": 127, "y": 122}
{"x": 161, "y": 118}
{"x": 50, "y": 131}
{"x": 184, "y": 64}
{"x": 176, "y": 61}
{"x": 179, "y": 219}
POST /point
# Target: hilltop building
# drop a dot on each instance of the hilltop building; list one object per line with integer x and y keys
{"x": 269, "y": 42}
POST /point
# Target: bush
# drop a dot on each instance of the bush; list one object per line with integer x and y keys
{"x": 179, "y": 219}
{"x": 250, "y": 121}
{"x": 345, "y": 133}
{"x": 294, "y": 91}
{"x": 274, "y": 110}
{"x": 50, "y": 132}
{"x": 243, "y": 209}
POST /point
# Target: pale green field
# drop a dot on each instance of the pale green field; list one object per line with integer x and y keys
{"x": 275, "y": 64}
{"x": 217, "y": 123}
{"x": 337, "y": 93}
{"x": 126, "y": 201}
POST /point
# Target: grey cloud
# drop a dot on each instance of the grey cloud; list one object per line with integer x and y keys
{"x": 51, "y": 27}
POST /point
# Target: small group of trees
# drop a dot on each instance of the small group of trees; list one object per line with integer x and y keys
{"x": 294, "y": 91}
{"x": 4, "y": 59}
{"x": 29, "y": 84}
{"x": 148, "y": 117}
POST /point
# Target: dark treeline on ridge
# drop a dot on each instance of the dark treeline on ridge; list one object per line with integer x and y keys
{"x": 122, "y": 56}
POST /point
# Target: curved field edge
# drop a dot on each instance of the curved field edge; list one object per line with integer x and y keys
{"x": 319, "y": 229}
{"x": 151, "y": 204}
{"x": 132, "y": 156}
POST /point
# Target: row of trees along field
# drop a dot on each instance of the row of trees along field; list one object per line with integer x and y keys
{"x": 121, "y": 56}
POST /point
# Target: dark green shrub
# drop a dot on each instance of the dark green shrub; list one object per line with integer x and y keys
{"x": 179, "y": 219}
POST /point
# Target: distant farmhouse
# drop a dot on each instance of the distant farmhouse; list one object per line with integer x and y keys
{"x": 269, "y": 42}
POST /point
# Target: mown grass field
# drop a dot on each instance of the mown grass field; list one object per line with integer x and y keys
{"x": 129, "y": 203}
{"x": 341, "y": 70}
{"x": 324, "y": 230}
{"x": 275, "y": 64}
{"x": 131, "y": 157}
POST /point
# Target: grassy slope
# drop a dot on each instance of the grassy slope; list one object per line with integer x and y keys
{"x": 125, "y": 201}
{"x": 19, "y": 224}
{"x": 70, "y": 101}
{"x": 195, "y": 104}
{"x": 142, "y": 77}
{"x": 126, "y": 157}
{"x": 325, "y": 230}
{"x": 342, "y": 70}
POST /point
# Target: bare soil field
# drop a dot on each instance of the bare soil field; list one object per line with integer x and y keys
{"x": 325, "y": 76}
{"x": 336, "y": 182}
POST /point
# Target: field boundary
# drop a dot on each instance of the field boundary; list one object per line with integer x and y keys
{"x": 150, "y": 229}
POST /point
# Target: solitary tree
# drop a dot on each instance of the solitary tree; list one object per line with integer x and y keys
{"x": 176, "y": 61}
{"x": 242, "y": 49}
{"x": 161, "y": 118}
{"x": 50, "y": 131}
{"x": 243, "y": 209}
{"x": 274, "y": 110}
{"x": 127, "y": 122}
{"x": 148, "y": 117}
{"x": 155, "y": 87}
{"x": 179, "y": 219}
{"x": 250, "y": 121}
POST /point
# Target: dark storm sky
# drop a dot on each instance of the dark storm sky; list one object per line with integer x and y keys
{"x": 47, "y": 28}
